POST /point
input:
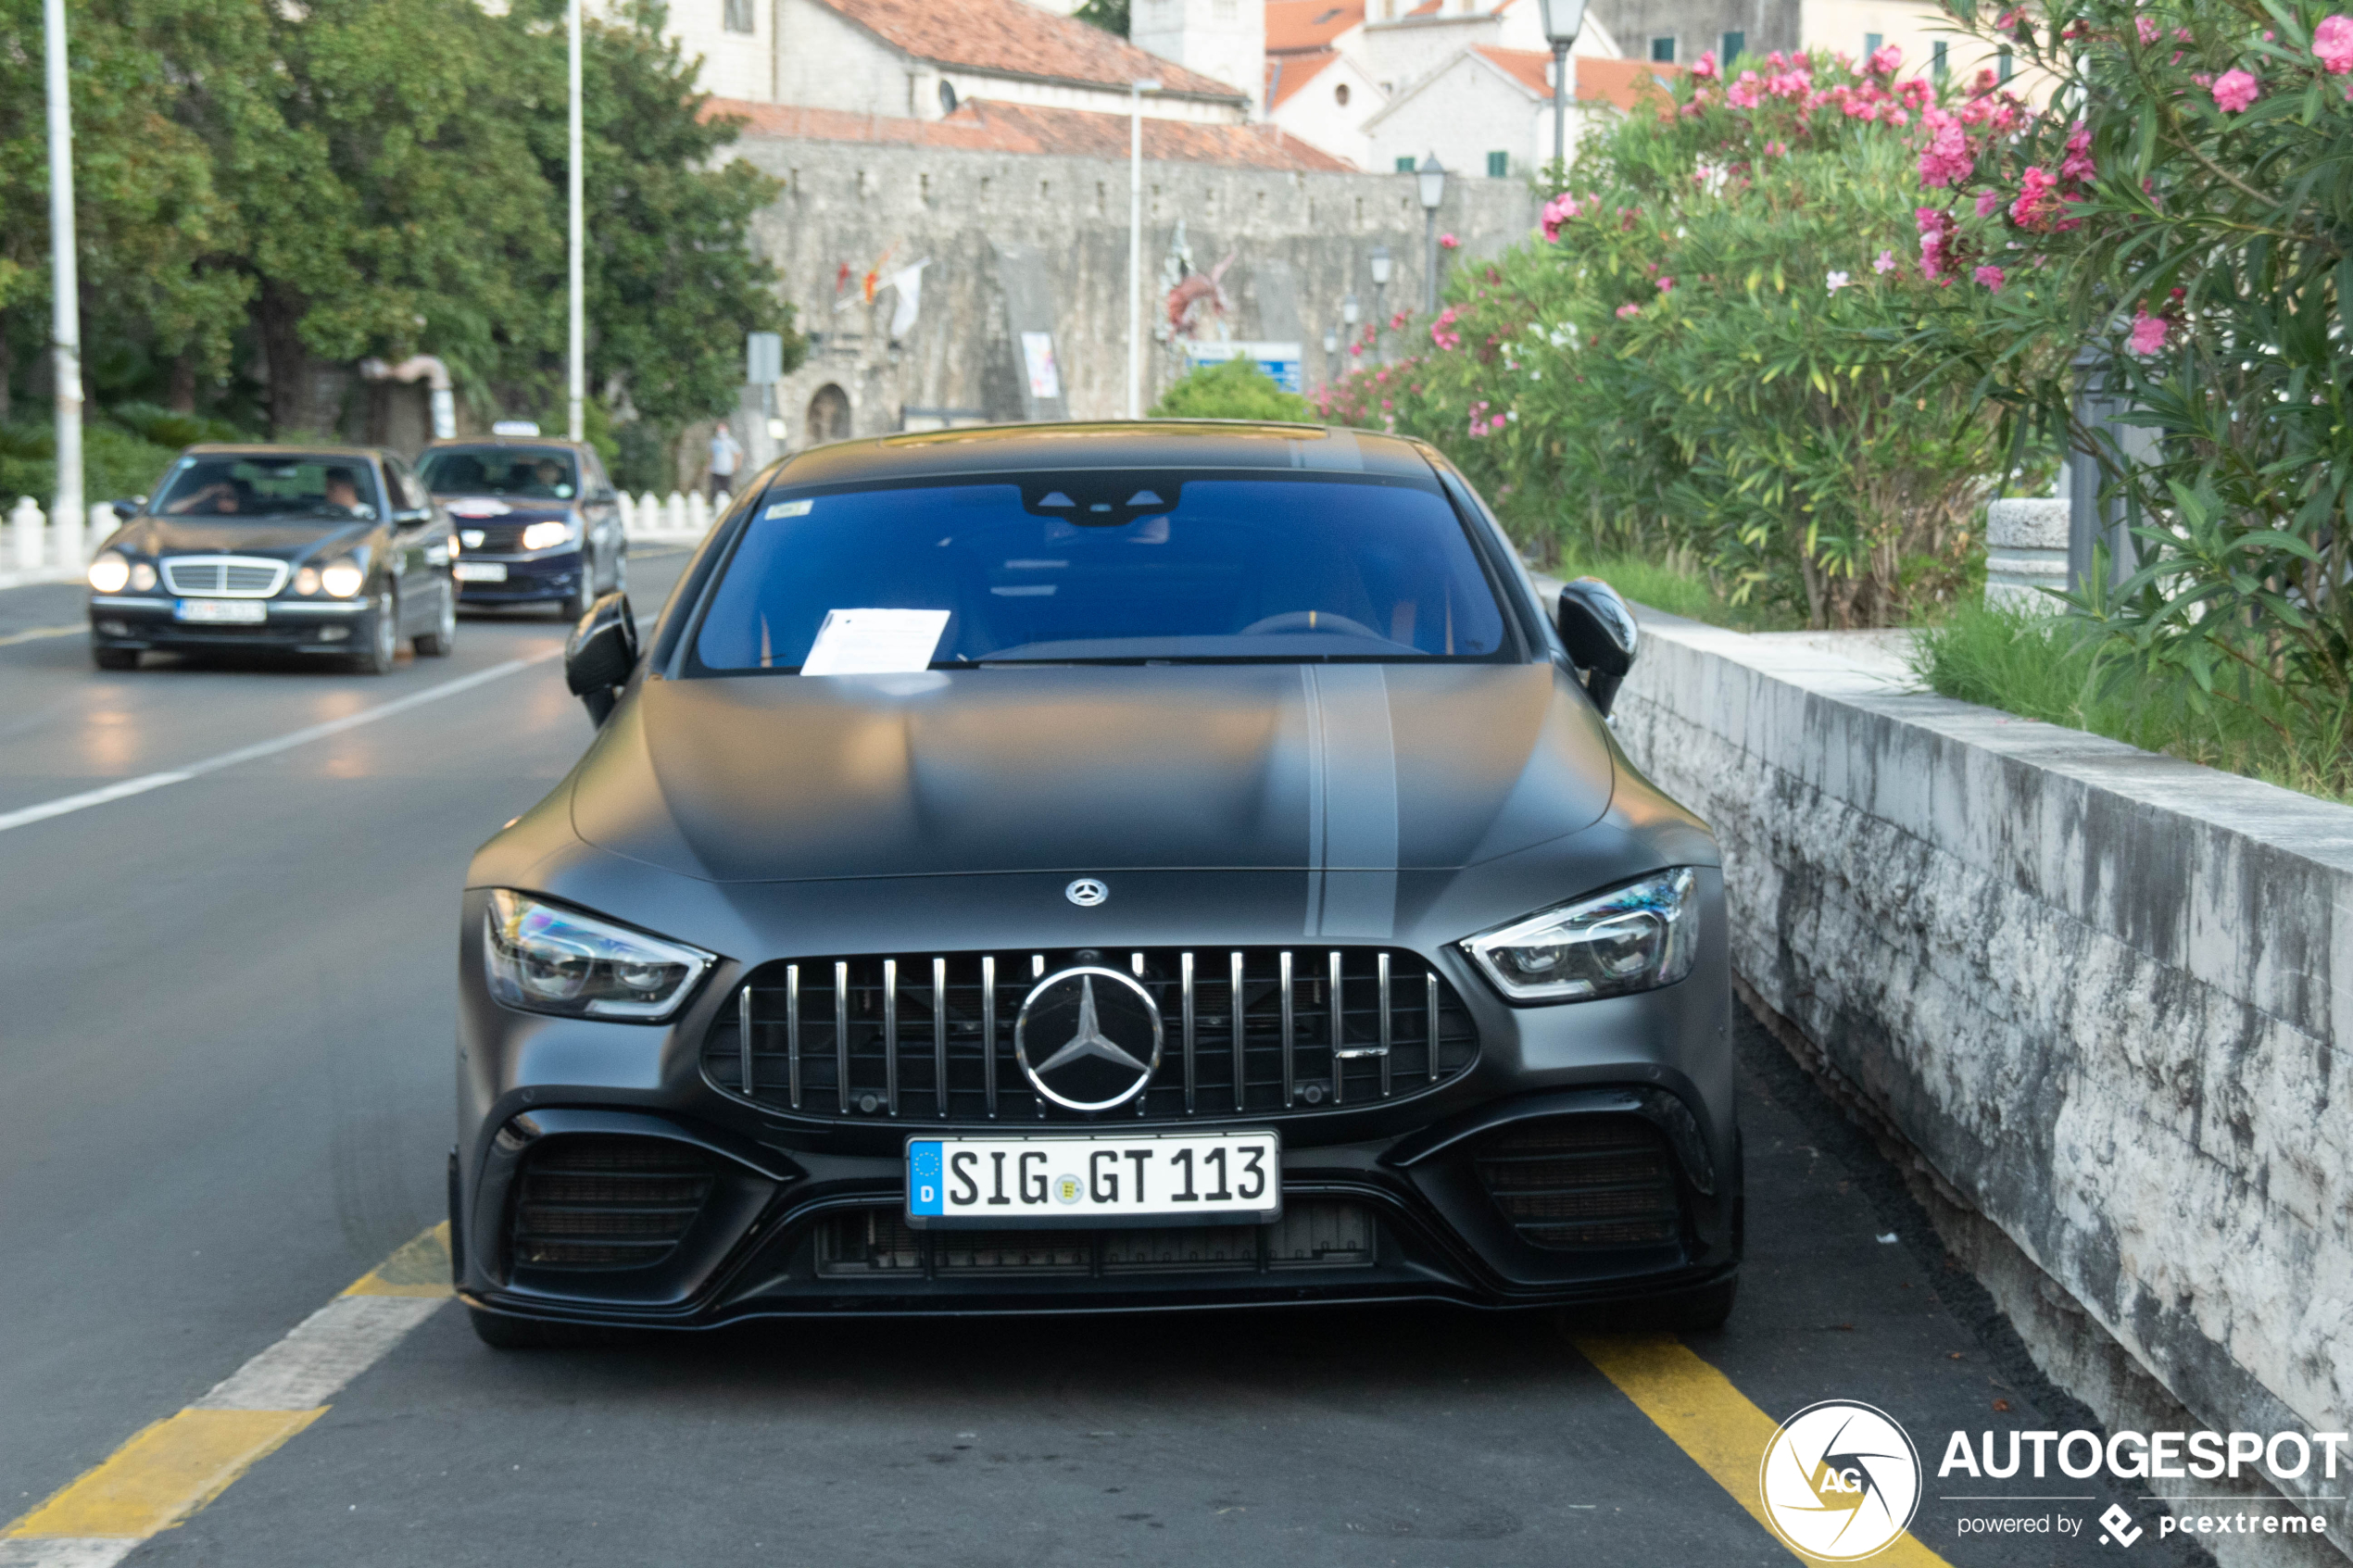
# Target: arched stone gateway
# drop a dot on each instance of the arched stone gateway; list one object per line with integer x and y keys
{"x": 828, "y": 417}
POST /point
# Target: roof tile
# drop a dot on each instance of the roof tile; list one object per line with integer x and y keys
{"x": 1019, "y": 39}
{"x": 985, "y": 125}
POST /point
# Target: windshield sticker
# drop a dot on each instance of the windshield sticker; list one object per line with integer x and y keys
{"x": 787, "y": 508}
{"x": 874, "y": 642}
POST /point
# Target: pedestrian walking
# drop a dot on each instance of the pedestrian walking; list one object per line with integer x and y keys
{"x": 724, "y": 455}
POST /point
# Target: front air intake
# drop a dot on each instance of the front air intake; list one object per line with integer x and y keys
{"x": 603, "y": 1202}
{"x": 1570, "y": 1184}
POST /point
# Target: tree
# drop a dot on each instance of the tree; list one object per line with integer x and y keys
{"x": 1230, "y": 389}
{"x": 1111, "y": 16}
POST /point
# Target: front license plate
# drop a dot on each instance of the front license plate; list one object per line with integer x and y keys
{"x": 222, "y": 612}
{"x": 1052, "y": 1182}
{"x": 481, "y": 571}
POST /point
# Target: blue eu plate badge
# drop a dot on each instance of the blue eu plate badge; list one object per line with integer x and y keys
{"x": 923, "y": 1178}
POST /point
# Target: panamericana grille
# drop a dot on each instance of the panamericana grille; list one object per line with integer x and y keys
{"x": 931, "y": 1037}
{"x": 1313, "y": 1234}
{"x": 1570, "y": 1183}
{"x": 235, "y": 577}
{"x": 588, "y": 1201}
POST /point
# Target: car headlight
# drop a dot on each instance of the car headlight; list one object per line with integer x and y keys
{"x": 143, "y": 577}
{"x": 547, "y": 958}
{"x": 343, "y": 579}
{"x": 546, "y": 535}
{"x": 109, "y": 573}
{"x": 306, "y": 581}
{"x": 1632, "y": 938}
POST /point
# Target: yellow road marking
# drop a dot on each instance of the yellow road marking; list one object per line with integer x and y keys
{"x": 165, "y": 1474}
{"x": 172, "y": 1469}
{"x": 37, "y": 633}
{"x": 1698, "y": 1408}
{"x": 420, "y": 1268}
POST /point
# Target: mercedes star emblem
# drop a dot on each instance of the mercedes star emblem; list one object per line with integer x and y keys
{"x": 1086, "y": 893}
{"x": 1111, "y": 1036}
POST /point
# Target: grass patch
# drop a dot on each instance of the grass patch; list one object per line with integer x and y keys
{"x": 2063, "y": 671}
{"x": 1678, "y": 590}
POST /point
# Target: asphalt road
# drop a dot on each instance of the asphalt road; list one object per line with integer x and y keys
{"x": 225, "y": 1093}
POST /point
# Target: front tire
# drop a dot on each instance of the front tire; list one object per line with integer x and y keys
{"x": 442, "y": 641}
{"x": 574, "y": 605}
{"x": 115, "y": 659}
{"x": 383, "y": 637}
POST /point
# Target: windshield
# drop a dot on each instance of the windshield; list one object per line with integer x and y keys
{"x": 1108, "y": 565}
{"x": 546, "y": 472}
{"x": 274, "y": 486}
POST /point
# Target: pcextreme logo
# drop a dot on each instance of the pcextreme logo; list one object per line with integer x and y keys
{"x": 1840, "y": 1481}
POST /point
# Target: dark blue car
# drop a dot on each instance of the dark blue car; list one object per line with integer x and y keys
{"x": 537, "y": 521}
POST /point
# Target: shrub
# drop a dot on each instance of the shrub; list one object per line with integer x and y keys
{"x": 1230, "y": 389}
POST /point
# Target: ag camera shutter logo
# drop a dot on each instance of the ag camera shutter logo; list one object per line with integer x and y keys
{"x": 1840, "y": 1481}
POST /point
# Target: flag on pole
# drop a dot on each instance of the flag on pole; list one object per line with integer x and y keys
{"x": 908, "y": 282}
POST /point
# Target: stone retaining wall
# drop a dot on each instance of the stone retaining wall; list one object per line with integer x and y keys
{"x": 2097, "y": 990}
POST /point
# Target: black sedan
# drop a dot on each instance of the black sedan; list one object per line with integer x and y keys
{"x": 1083, "y": 867}
{"x": 315, "y": 550}
{"x": 538, "y": 520}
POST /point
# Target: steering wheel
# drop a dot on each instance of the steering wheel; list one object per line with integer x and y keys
{"x": 1310, "y": 621}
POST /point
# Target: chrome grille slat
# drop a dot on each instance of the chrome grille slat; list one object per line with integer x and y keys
{"x": 230, "y": 577}
{"x": 1256, "y": 1029}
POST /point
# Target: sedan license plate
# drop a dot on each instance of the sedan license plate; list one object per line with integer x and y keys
{"x": 1046, "y": 1183}
{"x": 221, "y": 613}
{"x": 481, "y": 571}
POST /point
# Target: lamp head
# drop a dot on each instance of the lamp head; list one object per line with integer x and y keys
{"x": 1429, "y": 181}
{"x": 1381, "y": 266}
{"x": 1348, "y": 308}
{"x": 1331, "y": 340}
{"x": 1560, "y": 19}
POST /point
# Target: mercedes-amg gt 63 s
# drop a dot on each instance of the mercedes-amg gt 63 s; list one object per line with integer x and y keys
{"x": 1096, "y": 866}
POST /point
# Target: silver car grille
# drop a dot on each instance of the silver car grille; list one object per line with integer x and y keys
{"x": 1251, "y": 1032}
{"x": 230, "y": 577}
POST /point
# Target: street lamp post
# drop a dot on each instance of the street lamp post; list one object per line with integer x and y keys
{"x": 1562, "y": 18}
{"x": 576, "y": 345}
{"x": 1136, "y": 91}
{"x": 64, "y": 284}
{"x": 1430, "y": 183}
{"x": 1381, "y": 266}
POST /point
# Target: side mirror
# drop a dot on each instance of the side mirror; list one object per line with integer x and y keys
{"x": 124, "y": 510}
{"x": 600, "y": 654}
{"x": 416, "y": 517}
{"x": 1600, "y": 634}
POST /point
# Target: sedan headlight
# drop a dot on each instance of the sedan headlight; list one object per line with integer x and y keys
{"x": 1632, "y": 938}
{"x": 109, "y": 573}
{"x": 343, "y": 579}
{"x": 547, "y": 958}
{"x": 546, "y": 535}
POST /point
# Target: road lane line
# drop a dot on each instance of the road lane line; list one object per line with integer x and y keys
{"x": 37, "y": 633}
{"x": 1711, "y": 1421}
{"x": 65, "y": 805}
{"x": 172, "y": 1469}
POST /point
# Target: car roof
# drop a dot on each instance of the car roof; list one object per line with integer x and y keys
{"x": 1124, "y": 444}
{"x": 279, "y": 449}
{"x": 506, "y": 441}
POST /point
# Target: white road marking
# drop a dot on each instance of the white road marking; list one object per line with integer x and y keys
{"x": 67, "y": 1551}
{"x": 87, "y": 798}
{"x": 320, "y": 1354}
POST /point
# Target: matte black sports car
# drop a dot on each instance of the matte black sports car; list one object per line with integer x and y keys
{"x": 316, "y": 550}
{"x": 1091, "y": 866}
{"x": 537, "y": 518}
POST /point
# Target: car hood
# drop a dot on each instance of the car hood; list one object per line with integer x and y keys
{"x": 279, "y": 538}
{"x": 1376, "y": 768}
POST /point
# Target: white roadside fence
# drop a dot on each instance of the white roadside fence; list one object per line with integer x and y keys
{"x": 679, "y": 519}
{"x": 40, "y": 550}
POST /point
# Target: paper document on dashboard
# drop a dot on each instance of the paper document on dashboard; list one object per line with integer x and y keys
{"x": 874, "y": 642}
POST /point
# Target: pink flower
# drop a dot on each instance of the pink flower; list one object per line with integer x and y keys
{"x": 1742, "y": 95}
{"x": 1355, "y": 348}
{"x": 2079, "y": 165}
{"x": 1837, "y": 281}
{"x": 1705, "y": 67}
{"x": 1667, "y": 286}
{"x": 1885, "y": 264}
{"x": 2332, "y": 42}
{"x": 1883, "y": 60}
{"x": 1775, "y": 149}
{"x": 1397, "y": 321}
{"x": 1992, "y": 277}
{"x": 2149, "y": 332}
{"x": 1448, "y": 242}
{"x": 2034, "y": 207}
{"x": 2234, "y": 90}
{"x": 1626, "y": 310}
{"x": 1946, "y": 160}
{"x": 1936, "y": 240}
{"x": 1558, "y": 211}
{"x": 1988, "y": 201}
{"x": 2150, "y": 32}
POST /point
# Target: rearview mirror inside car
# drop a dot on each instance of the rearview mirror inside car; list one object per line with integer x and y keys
{"x": 1599, "y": 632}
{"x": 601, "y": 654}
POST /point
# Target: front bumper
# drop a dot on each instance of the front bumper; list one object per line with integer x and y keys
{"x": 139, "y": 621}
{"x": 774, "y": 1227}
{"x": 530, "y": 579}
